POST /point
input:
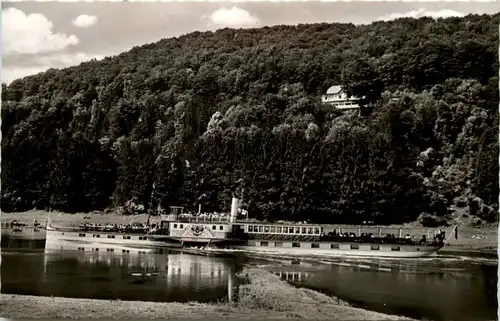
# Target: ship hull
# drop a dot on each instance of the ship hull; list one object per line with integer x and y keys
{"x": 55, "y": 235}
{"x": 339, "y": 253}
{"x": 296, "y": 248}
{"x": 341, "y": 249}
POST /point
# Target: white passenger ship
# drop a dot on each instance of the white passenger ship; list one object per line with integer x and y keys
{"x": 226, "y": 231}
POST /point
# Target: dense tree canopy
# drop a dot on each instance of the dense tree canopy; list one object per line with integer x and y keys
{"x": 205, "y": 114}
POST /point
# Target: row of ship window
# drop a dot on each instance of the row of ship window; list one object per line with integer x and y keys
{"x": 284, "y": 229}
{"x": 111, "y": 236}
{"x": 109, "y": 250}
{"x": 332, "y": 246}
{"x": 214, "y": 227}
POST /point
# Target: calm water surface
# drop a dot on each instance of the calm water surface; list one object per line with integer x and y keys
{"x": 83, "y": 272}
{"x": 450, "y": 288}
{"x": 444, "y": 289}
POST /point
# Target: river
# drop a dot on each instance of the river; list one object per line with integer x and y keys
{"x": 450, "y": 288}
{"x": 444, "y": 289}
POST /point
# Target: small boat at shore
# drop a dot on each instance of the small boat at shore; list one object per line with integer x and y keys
{"x": 178, "y": 229}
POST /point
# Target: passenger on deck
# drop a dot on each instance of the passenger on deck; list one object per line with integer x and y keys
{"x": 408, "y": 237}
{"x": 440, "y": 238}
{"x": 153, "y": 229}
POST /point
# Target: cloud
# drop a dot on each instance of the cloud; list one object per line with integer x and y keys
{"x": 66, "y": 60}
{"x": 233, "y": 17}
{"x": 31, "y": 34}
{"x": 445, "y": 13}
{"x": 37, "y": 64}
{"x": 84, "y": 21}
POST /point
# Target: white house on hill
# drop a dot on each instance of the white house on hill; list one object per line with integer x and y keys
{"x": 336, "y": 97}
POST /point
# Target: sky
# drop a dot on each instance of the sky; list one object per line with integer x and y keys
{"x": 37, "y": 36}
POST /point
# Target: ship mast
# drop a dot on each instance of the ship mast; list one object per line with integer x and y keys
{"x": 150, "y": 209}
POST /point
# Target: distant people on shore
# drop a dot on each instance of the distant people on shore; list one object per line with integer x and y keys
{"x": 15, "y": 224}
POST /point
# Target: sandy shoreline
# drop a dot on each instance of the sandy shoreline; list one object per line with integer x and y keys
{"x": 265, "y": 296}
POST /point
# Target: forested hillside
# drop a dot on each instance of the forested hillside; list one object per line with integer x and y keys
{"x": 207, "y": 113}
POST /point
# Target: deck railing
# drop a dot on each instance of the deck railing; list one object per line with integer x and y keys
{"x": 189, "y": 219}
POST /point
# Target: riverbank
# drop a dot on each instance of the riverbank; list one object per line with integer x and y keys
{"x": 265, "y": 296}
{"x": 65, "y": 219}
{"x": 470, "y": 239}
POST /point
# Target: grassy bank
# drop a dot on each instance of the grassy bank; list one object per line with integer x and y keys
{"x": 474, "y": 240}
{"x": 469, "y": 238}
{"x": 265, "y": 296}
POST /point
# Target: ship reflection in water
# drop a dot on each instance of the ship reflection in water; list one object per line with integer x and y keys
{"x": 445, "y": 289}
{"x": 100, "y": 272}
{"x": 293, "y": 276}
